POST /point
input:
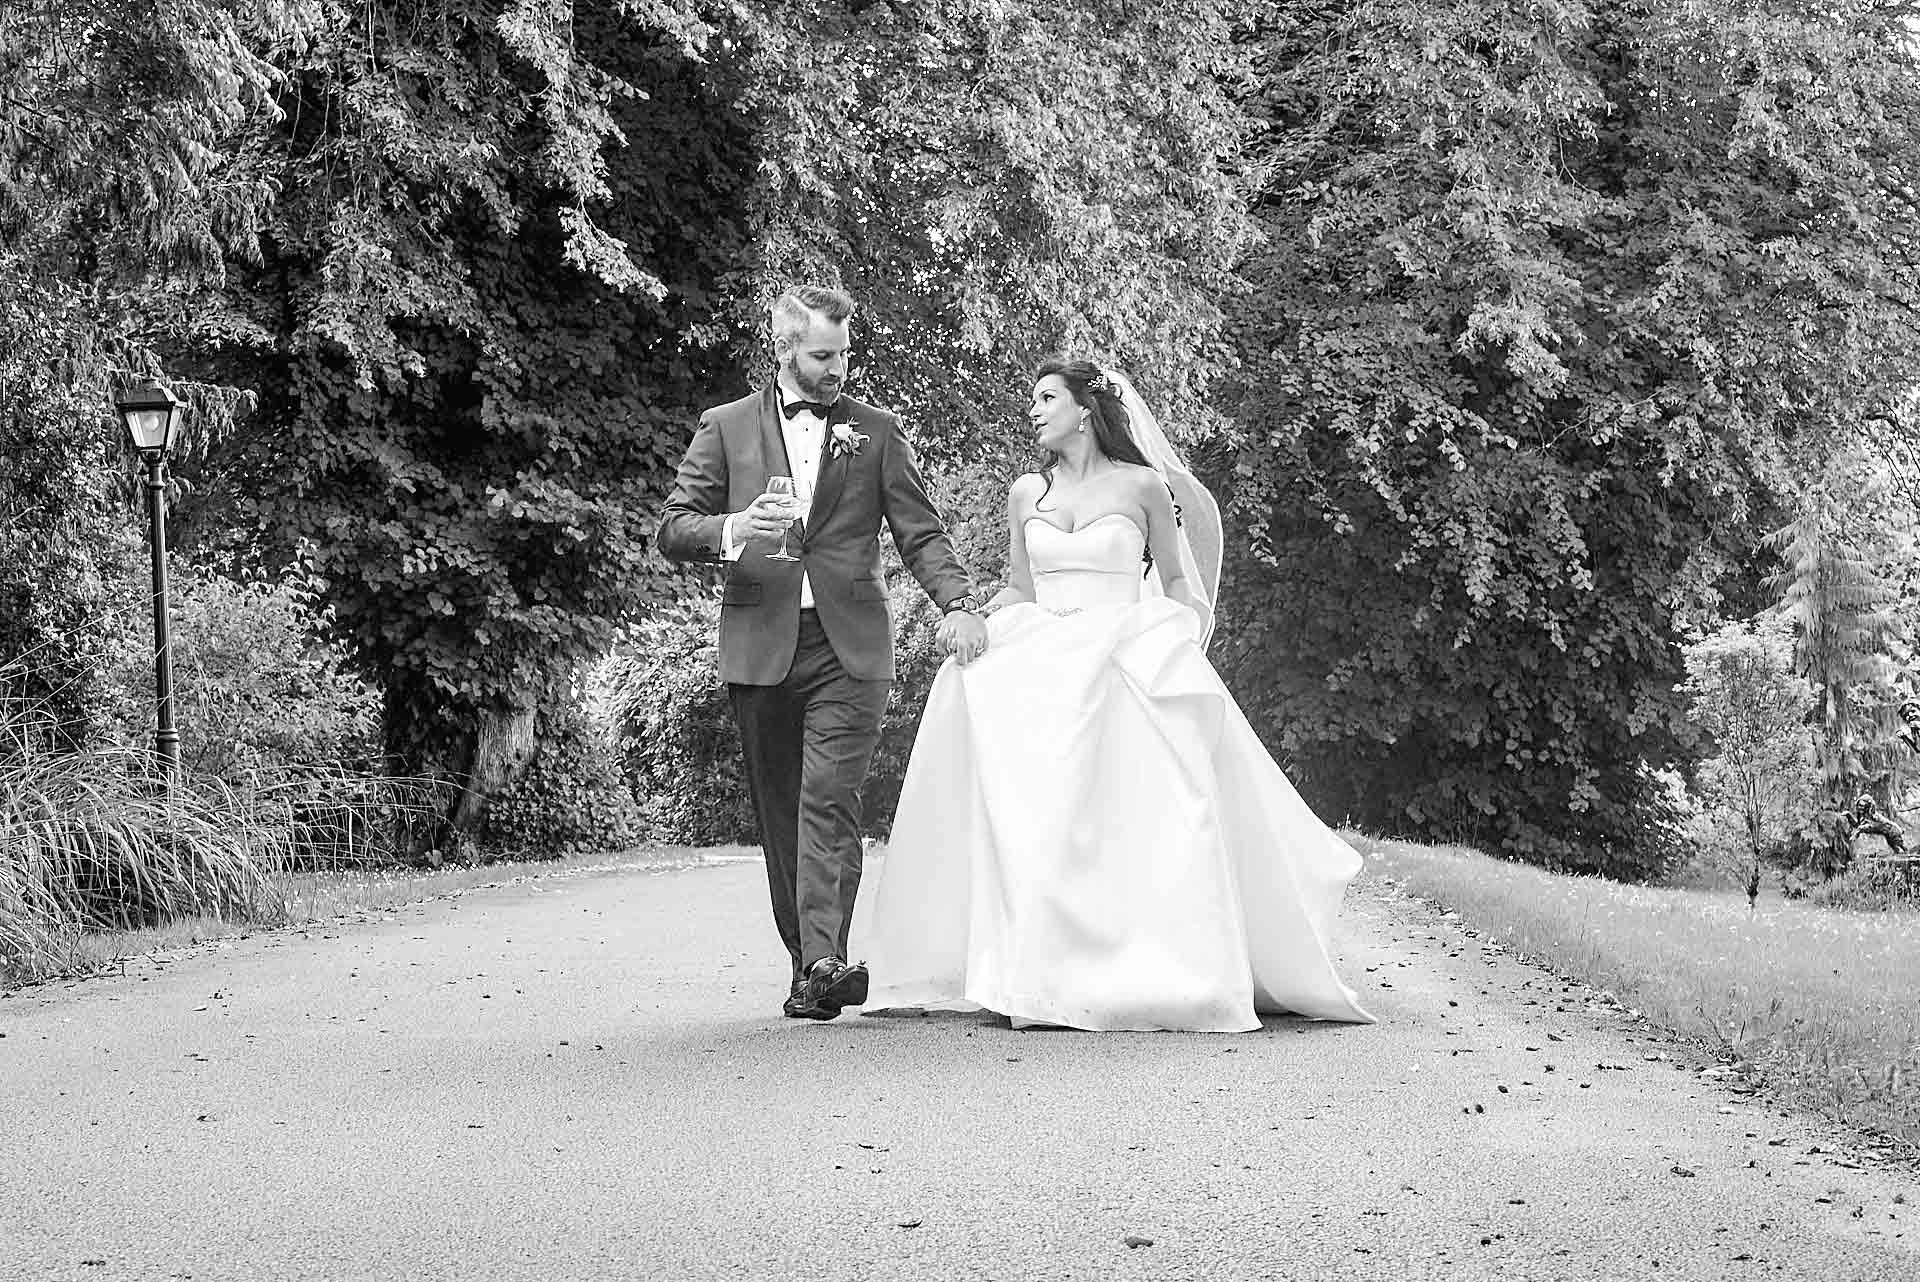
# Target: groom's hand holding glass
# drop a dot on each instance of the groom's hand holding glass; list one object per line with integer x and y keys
{"x": 771, "y": 515}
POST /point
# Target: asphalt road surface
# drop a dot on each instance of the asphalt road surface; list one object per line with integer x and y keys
{"x": 586, "y": 1076}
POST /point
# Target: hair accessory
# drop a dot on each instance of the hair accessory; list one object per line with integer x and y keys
{"x": 1101, "y": 383}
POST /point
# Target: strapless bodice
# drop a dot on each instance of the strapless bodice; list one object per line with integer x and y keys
{"x": 1097, "y": 564}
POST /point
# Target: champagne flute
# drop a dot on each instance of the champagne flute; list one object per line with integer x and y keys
{"x": 784, "y": 488}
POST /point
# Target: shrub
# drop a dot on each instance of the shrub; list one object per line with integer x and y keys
{"x": 571, "y": 798}
{"x": 1875, "y": 885}
{"x": 54, "y": 625}
{"x": 275, "y": 772}
{"x": 677, "y": 742}
{"x": 259, "y": 700}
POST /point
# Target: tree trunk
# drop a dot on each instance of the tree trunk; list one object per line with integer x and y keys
{"x": 463, "y": 758}
{"x": 503, "y": 744}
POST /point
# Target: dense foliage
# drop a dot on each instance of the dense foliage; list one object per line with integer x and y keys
{"x": 470, "y": 391}
{"x": 517, "y": 246}
{"x": 1554, "y": 300}
{"x": 999, "y": 179}
{"x": 121, "y": 194}
{"x": 1532, "y": 319}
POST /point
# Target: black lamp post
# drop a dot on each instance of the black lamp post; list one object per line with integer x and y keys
{"x": 152, "y": 415}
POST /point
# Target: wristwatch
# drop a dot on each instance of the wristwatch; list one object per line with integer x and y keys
{"x": 970, "y": 603}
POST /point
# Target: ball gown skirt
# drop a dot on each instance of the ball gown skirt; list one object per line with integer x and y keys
{"x": 1091, "y": 835}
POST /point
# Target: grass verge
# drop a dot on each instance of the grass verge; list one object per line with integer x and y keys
{"x": 1819, "y": 1006}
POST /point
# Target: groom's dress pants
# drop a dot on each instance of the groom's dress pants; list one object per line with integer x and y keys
{"x": 808, "y": 742}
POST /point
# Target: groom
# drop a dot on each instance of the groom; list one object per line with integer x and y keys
{"x": 806, "y": 646}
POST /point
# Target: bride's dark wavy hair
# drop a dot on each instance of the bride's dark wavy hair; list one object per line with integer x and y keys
{"x": 1106, "y": 416}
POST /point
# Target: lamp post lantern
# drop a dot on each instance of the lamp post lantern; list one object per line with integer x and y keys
{"x": 152, "y": 415}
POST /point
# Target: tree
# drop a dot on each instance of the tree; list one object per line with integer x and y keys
{"x": 518, "y": 245}
{"x": 1555, "y": 301}
{"x": 1841, "y": 605}
{"x": 122, "y": 192}
{"x": 1000, "y": 179}
{"x": 465, "y": 411}
{"x": 1745, "y": 696}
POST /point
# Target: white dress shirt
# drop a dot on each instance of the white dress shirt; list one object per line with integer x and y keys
{"x": 805, "y": 434}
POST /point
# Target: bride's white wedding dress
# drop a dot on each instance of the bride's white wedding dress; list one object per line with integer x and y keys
{"x": 1090, "y": 834}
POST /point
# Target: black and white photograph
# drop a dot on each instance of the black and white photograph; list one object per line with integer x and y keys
{"x": 1300, "y": 620}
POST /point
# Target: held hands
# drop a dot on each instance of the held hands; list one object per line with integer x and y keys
{"x": 767, "y": 517}
{"x": 963, "y": 635}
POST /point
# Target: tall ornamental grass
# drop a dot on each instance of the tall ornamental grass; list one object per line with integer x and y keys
{"x": 89, "y": 842}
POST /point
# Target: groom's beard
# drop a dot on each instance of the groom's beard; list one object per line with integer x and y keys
{"x": 825, "y": 390}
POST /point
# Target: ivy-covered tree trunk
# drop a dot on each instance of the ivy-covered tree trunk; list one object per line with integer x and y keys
{"x": 468, "y": 755}
{"x": 503, "y": 744}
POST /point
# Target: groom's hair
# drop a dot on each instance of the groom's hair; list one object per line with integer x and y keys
{"x": 797, "y": 305}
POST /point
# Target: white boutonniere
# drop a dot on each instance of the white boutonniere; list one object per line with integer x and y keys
{"x": 845, "y": 440}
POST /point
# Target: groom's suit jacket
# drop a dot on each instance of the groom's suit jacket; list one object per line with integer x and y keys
{"x": 735, "y": 449}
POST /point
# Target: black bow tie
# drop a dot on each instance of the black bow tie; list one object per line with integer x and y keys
{"x": 794, "y": 407}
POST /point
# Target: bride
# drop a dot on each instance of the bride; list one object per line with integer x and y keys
{"x": 1089, "y": 833}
